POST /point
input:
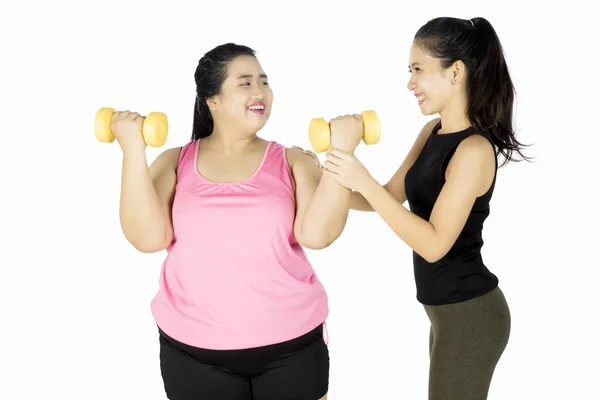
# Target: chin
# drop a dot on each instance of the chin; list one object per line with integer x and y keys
{"x": 428, "y": 111}
{"x": 257, "y": 126}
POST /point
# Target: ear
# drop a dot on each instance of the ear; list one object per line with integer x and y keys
{"x": 212, "y": 103}
{"x": 458, "y": 72}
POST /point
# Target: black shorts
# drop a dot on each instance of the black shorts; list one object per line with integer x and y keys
{"x": 294, "y": 370}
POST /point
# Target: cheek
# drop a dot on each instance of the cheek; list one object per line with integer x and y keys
{"x": 269, "y": 95}
{"x": 436, "y": 88}
{"x": 236, "y": 103}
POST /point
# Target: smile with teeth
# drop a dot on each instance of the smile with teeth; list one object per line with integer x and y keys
{"x": 257, "y": 108}
{"x": 421, "y": 99}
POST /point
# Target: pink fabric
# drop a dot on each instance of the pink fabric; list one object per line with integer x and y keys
{"x": 234, "y": 276}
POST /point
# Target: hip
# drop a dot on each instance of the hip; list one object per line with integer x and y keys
{"x": 488, "y": 311}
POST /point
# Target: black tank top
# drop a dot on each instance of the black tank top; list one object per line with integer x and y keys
{"x": 461, "y": 274}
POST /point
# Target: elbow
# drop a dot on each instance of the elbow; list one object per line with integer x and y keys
{"x": 431, "y": 258}
{"x": 148, "y": 247}
{"x": 434, "y": 255}
{"x": 148, "y": 244}
{"x": 314, "y": 242}
{"x": 317, "y": 235}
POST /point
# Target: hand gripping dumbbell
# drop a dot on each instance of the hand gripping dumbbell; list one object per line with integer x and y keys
{"x": 154, "y": 128}
{"x": 319, "y": 133}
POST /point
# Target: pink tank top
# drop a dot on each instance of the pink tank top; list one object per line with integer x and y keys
{"x": 234, "y": 276}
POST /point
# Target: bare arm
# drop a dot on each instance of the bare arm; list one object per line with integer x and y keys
{"x": 146, "y": 199}
{"x": 395, "y": 186}
{"x": 325, "y": 202}
{"x": 469, "y": 174}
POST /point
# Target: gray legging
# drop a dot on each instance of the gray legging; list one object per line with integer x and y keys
{"x": 465, "y": 344}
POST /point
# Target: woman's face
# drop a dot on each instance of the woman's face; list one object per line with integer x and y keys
{"x": 246, "y": 99}
{"x": 430, "y": 82}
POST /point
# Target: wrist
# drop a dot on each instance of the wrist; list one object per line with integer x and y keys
{"x": 368, "y": 187}
{"x": 342, "y": 147}
{"x": 333, "y": 181}
{"x": 134, "y": 153}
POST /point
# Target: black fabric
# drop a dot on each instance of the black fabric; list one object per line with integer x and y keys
{"x": 461, "y": 274}
{"x": 294, "y": 370}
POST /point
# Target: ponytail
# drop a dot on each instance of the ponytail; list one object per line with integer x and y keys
{"x": 491, "y": 92}
{"x": 203, "y": 122}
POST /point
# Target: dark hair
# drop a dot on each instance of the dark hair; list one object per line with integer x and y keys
{"x": 490, "y": 91}
{"x": 209, "y": 77}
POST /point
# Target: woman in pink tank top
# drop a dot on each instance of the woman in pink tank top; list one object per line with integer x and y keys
{"x": 240, "y": 310}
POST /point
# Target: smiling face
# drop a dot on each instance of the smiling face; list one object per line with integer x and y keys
{"x": 431, "y": 83}
{"x": 245, "y": 100}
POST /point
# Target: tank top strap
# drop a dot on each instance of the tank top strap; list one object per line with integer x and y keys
{"x": 276, "y": 165}
{"x": 187, "y": 159}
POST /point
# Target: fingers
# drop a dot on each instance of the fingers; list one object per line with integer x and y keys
{"x": 333, "y": 157}
{"x": 332, "y": 175}
{"x": 338, "y": 154}
{"x": 331, "y": 165}
{"x": 121, "y": 115}
{"x": 340, "y": 117}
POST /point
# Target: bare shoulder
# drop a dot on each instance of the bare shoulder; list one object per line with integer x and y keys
{"x": 474, "y": 160}
{"x": 166, "y": 160}
{"x": 292, "y": 155}
{"x": 477, "y": 149}
{"x": 299, "y": 159}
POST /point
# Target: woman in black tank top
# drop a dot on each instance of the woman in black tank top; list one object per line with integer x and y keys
{"x": 458, "y": 71}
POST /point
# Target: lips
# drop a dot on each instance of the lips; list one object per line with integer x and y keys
{"x": 257, "y": 108}
{"x": 420, "y": 97}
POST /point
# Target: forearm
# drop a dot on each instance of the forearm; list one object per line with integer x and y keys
{"x": 416, "y": 232}
{"x": 143, "y": 219}
{"x": 326, "y": 214}
{"x": 359, "y": 203}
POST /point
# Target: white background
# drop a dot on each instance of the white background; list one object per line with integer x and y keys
{"x": 75, "y": 295}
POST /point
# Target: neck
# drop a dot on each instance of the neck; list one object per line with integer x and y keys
{"x": 454, "y": 117}
{"x": 229, "y": 140}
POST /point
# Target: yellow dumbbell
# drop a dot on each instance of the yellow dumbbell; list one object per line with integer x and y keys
{"x": 154, "y": 129}
{"x": 319, "y": 133}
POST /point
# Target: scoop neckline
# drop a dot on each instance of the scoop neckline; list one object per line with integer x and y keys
{"x": 205, "y": 179}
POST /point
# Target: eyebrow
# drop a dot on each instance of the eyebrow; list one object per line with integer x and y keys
{"x": 250, "y": 76}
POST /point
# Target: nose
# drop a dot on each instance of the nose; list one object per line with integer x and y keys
{"x": 258, "y": 92}
{"x": 411, "y": 85}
